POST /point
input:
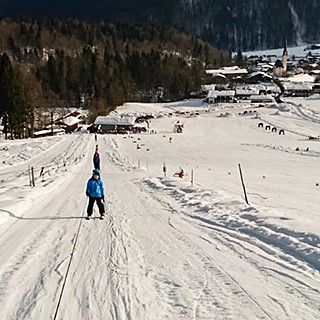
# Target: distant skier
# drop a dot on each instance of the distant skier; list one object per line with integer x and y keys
{"x": 95, "y": 136}
{"x": 95, "y": 192}
{"x": 179, "y": 174}
{"x": 96, "y": 160}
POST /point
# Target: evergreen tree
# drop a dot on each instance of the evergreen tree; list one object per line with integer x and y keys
{"x": 239, "y": 58}
{"x": 53, "y": 74}
{"x": 12, "y": 106}
{"x": 123, "y": 62}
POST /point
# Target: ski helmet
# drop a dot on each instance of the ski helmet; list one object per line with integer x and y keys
{"x": 96, "y": 171}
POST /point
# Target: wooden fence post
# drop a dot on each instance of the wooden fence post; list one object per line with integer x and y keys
{"x": 164, "y": 168}
{"x": 244, "y": 188}
{"x": 29, "y": 174}
{"x": 32, "y": 177}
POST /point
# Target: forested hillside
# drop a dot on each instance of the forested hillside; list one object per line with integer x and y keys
{"x": 70, "y": 62}
{"x": 228, "y": 24}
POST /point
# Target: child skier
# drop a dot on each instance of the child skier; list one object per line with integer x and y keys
{"x": 96, "y": 160}
{"x": 95, "y": 192}
{"x": 181, "y": 173}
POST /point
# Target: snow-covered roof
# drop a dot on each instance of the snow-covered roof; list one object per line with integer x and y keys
{"x": 261, "y": 97}
{"x": 115, "y": 120}
{"x": 71, "y": 120}
{"x": 246, "y": 91}
{"x": 223, "y": 93}
{"x": 301, "y": 78}
{"x": 265, "y": 65}
{"x": 314, "y": 46}
{"x": 255, "y": 88}
{"x": 315, "y": 71}
{"x": 260, "y": 73}
{"x": 227, "y": 71}
{"x": 141, "y": 125}
{"x": 274, "y": 89}
{"x": 297, "y": 86}
{"x": 48, "y": 131}
{"x": 267, "y": 87}
{"x": 219, "y": 75}
{"x": 208, "y": 87}
{"x": 313, "y": 65}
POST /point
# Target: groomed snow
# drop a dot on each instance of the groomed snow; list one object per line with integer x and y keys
{"x": 169, "y": 248}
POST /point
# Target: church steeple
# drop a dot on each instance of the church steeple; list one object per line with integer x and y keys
{"x": 285, "y": 50}
{"x": 284, "y": 58}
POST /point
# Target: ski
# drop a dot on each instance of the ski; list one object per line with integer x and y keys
{"x": 100, "y": 218}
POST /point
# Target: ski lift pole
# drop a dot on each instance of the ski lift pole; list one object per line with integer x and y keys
{"x": 243, "y": 186}
{"x": 29, "y": 174}
{"x": 32, "y": 177}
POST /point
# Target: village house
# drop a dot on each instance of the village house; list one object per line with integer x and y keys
{"x": 262, "y": 98}
{"x": 227, "y": 72}
{"x": 316, "y": 88}
{"x": 121, "y": 124}
{"x": 258, "y": 77}
{"x": 298, "y": 89}
{"x": 65, "y": 124}
{"x": 245, "y": 94}
{"x": 264, "y": 67}
{"x": 267, "y": 88}
{"x": 297, "y": 76}
{"x": 207, "y": 87}
{"x": 114, "y": 124}
{"x": 70, "y": 121}
{"x": 221, "y": 96}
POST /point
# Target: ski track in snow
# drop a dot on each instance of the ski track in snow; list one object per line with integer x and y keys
{"x": 304, "y": 256}
{"x": 38, "y": 231}
{"x": 251, "y": 238}
{"x": 246, "y": 221}
{"x": 294, "y": 111}
{"x": 165, "y": 250}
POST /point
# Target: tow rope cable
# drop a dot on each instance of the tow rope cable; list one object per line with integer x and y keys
{"x": 69, "y": 264}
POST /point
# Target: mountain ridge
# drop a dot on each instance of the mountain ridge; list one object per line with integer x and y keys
{"x": 227, "y": 24}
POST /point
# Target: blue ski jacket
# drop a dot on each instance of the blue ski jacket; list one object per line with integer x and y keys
{"x": 95, "y": 188}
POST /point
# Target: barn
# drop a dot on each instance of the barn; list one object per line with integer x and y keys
{"x": 114, "y": 124}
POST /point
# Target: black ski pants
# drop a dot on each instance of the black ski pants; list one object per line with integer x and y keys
{"x": 91, "y": 203}
{"x": 96, "y": 165}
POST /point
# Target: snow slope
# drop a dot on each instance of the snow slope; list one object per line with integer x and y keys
{"x": 169, "y": 248}
{"x": 297, "y": 52}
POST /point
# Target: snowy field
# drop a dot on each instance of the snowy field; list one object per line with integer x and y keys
{"x": 169, "y": 248}
{"x": 298, "y": 52}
